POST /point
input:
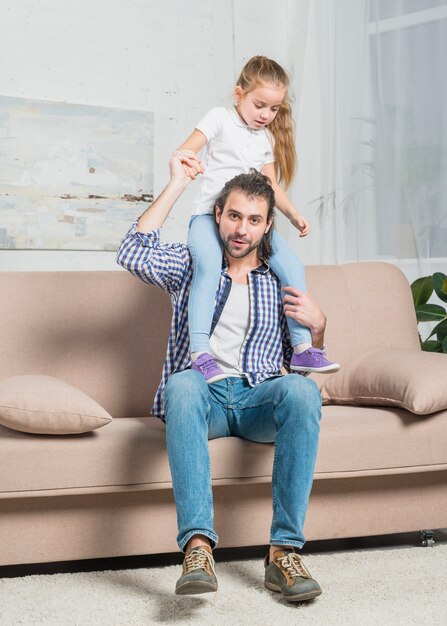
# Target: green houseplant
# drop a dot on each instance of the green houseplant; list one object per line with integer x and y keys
{"x": 422, "y": 290}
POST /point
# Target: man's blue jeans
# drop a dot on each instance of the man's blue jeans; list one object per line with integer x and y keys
{"x": 285, "y": 410}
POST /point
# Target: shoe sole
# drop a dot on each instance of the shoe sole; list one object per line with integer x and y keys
{"x": 322, "y": 370}
{"x": 298, "y": 597}
{"x": 215, "y": 379}
{"x": 195, "y": 587}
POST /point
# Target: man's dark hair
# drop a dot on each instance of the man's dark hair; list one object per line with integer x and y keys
{"x": 253, "y": 185}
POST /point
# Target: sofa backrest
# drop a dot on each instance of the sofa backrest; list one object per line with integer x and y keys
{"x": 368, "y": 306}
{"x": 106, "y": 332}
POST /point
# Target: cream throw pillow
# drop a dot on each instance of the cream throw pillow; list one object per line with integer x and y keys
{"x": 411, "y": 379}
{"x": 49, "y": 406}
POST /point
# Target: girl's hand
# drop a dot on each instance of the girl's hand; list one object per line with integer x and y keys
{"x": 301, "y": 224}
{"x": 191, "y": 164}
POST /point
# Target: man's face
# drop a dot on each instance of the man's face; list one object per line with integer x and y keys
{"x": 242, "y": 223}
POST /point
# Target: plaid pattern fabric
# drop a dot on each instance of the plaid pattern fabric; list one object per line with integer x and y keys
{"x": 266, "y": 347}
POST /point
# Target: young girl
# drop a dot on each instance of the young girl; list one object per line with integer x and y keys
{"x": 256, "y": 132}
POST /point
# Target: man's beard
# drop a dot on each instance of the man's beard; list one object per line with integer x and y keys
{"x": 238, "y": 253}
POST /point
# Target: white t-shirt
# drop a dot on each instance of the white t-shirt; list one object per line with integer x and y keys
{"x": 231, "y": 329}
{"x": 232, "y": 148}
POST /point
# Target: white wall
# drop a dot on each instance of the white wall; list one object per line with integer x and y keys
{"x": 171, "y": 57}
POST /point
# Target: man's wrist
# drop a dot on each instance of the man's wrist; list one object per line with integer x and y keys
{"x": 155, "y": 216}
{"x": 178, "y": 185}
{"x": 317, "y": 339}
{"x": 317, "y": 332}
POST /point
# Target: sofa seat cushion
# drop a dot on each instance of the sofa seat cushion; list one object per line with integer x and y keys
{"x": 380, "y": 439}
{"x": 131, "y": 452}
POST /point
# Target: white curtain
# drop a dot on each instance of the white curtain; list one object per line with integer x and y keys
{"x": 371, "y": 133}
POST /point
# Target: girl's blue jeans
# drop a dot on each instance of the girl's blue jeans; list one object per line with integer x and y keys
{"x": 206, "y": 251}
{"x": 284, "y": 410}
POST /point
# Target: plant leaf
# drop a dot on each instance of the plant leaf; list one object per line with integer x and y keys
{"x": 440, "y": 285}
{"x": 444, "y": 345}
{"x": 431, "y": 346}
{"x": 430, "y": 313}
{"x": 422, "y": 288}
{"x": 440, "y": 330}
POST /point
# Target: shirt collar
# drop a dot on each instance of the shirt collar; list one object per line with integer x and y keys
{"x": 239, "y": 121}
{"x": 264, "y": 268}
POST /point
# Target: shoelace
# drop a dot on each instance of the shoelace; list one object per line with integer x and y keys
{"x": 292, "y": 563}
{"x": 207, "y": 365}
{"x": 316, "y": 353}
{"x": 198, "y": 559}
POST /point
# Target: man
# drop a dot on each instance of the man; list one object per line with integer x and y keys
{"x": 255, "y": 400}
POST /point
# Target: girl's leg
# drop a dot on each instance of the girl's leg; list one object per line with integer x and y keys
{"x": 290, "y": 271}
{"x": 206, "y": 252}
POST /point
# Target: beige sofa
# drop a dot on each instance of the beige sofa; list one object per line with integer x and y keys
{"x": 108, "y": 493}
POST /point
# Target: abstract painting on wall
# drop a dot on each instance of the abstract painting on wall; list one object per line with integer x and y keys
{"x": 72, "y": 177}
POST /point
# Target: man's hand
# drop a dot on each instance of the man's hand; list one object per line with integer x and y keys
{"x": 301, "y": 307}
{"x": 300, "y": 224}
{"x": 192, "y": 165}
{"x": 179, "y": 172}
{"x": 155, "y": 216}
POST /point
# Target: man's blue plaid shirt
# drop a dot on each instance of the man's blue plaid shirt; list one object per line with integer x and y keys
{"x": 266, "y": 347}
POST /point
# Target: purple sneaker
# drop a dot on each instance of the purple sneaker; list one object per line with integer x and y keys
{"x": 313, "y": 360}
{"x": 206, "y": 365}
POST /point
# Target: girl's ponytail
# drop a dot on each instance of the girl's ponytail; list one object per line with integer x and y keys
{"x": 258, "y": 70}
{"x": 282, "y": 130}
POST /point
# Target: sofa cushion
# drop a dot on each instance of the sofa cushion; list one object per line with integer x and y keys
{"x": 411, "y": 379}
{"x": 131, "y": 452}
{"x": 47, "y": 405}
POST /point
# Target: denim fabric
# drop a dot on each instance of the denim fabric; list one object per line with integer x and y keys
{"x": 206, "y": 252}
{"x": 290, "y": 271}
{"x": 284, "y": 410}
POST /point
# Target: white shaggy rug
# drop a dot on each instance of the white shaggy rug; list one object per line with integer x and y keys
{"x": 385, "y": 586}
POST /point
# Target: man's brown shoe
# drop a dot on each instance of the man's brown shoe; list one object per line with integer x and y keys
{"x": 286, "y": 574}
{"x": 198, "y": 574}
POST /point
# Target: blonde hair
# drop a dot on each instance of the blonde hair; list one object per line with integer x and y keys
{"x": 260, "y": 70}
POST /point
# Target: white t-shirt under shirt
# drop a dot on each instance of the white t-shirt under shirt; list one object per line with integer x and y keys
{"x": 231, "y": 329}
{"x": 232, "y": 148}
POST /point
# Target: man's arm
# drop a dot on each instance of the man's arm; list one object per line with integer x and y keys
{"x": 301, "y": 307}
{"x": 155, "y": 216}
{"x": 143, "y": 254}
